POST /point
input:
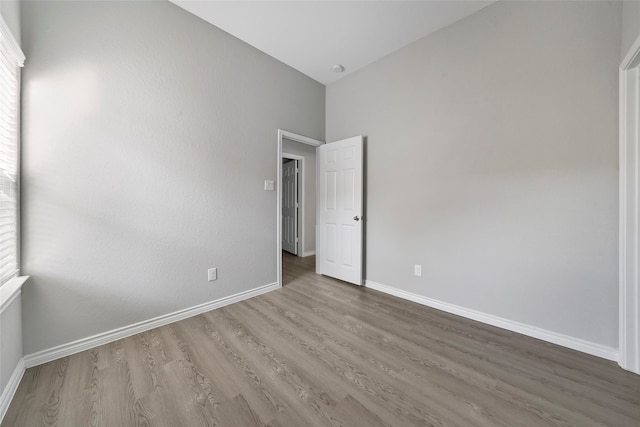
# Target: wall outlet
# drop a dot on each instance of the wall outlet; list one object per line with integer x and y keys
{"x": 212, "y": 274}
{"x": 417, "y": 270}
{"x": 269, "y": 185}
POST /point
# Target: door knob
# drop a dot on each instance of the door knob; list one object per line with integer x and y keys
{"x": 355, "y": 218}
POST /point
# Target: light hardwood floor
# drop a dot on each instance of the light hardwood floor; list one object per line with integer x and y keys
{"x": 320, "y": 352}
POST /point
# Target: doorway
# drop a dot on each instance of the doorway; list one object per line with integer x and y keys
{"x": 302, "y": 150}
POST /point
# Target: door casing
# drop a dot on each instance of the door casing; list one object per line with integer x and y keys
{"x": 629, "y": 250}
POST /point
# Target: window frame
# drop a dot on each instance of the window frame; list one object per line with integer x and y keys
{"x": 14, "y": 54}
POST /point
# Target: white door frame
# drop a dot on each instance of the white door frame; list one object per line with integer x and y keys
{"x": 629, "y": 253}
{"x": 296, "y": 138}
{"x": 301, "y": 194}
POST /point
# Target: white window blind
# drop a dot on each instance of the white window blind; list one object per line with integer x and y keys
{"x": 11, "y": 59}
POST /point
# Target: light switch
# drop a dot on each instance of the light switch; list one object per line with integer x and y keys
{"x": 269, "y": 185}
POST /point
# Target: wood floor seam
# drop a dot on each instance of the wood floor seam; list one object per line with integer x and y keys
{"x": 319, "y": 352}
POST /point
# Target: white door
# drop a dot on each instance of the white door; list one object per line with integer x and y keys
{"x": 290, "y": 206}
{"x": 340, "y": 207}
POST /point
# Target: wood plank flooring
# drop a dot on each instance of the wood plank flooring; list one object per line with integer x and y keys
{"x": 320, "y": 352}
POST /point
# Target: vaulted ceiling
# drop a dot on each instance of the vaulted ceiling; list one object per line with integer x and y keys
{"x": 313, "y": 36}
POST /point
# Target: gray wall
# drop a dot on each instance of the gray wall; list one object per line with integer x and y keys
{"x": 10, "y": 11}
{"x": 11, "y": 316}
{"x": 147, "y": 135}
{"x": 492, "y": 161}
{"x": 10, "y": 340}
{"x": 309, "y": 154}
{"x": 630, "y": 25}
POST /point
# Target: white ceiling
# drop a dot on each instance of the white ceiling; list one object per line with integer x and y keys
{"x": 313, "y": 36}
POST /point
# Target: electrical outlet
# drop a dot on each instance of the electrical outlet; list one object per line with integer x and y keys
{"x": 269, "y": 185}
{"x": 417, "y": 270}
{"x": 212, "y": 274}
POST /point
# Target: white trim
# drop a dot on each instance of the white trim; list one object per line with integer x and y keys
{"x": 10, "y": 301}
{"x": 83, "y": 344}
{"x": 5, "y": 33}
{"x": 521, "y": 328}
{"x": 11, "y": 388}
{"x": 10, "y": 291}
{"x": 632, "y": 58}
{"x": 14, "y": 54}
{"x": 297, "y": 138}
{"x": 629, "y": 211}
{"x": 308, "y": 253}
{"x": 301, "y": 200}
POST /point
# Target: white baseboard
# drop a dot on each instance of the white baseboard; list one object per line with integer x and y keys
{"x": 308, "y": 253}
{"x": 584, "y": 346}
{"x": 11, "y": 387}
{"x": 83, "y": 344}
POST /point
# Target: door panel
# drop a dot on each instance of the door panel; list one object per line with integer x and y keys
{"x": 330, "y": 235}
{"x": 340, "y": 225}
{"x": 347, "y": 245}
{"x": 349, "y": 189}
{"x": 331, "y": 179}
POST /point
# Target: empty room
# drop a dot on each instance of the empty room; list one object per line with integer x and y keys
{"x": 319, "y": 213}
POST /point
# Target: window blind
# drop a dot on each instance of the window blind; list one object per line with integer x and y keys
{"x": 11, "y": 59}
